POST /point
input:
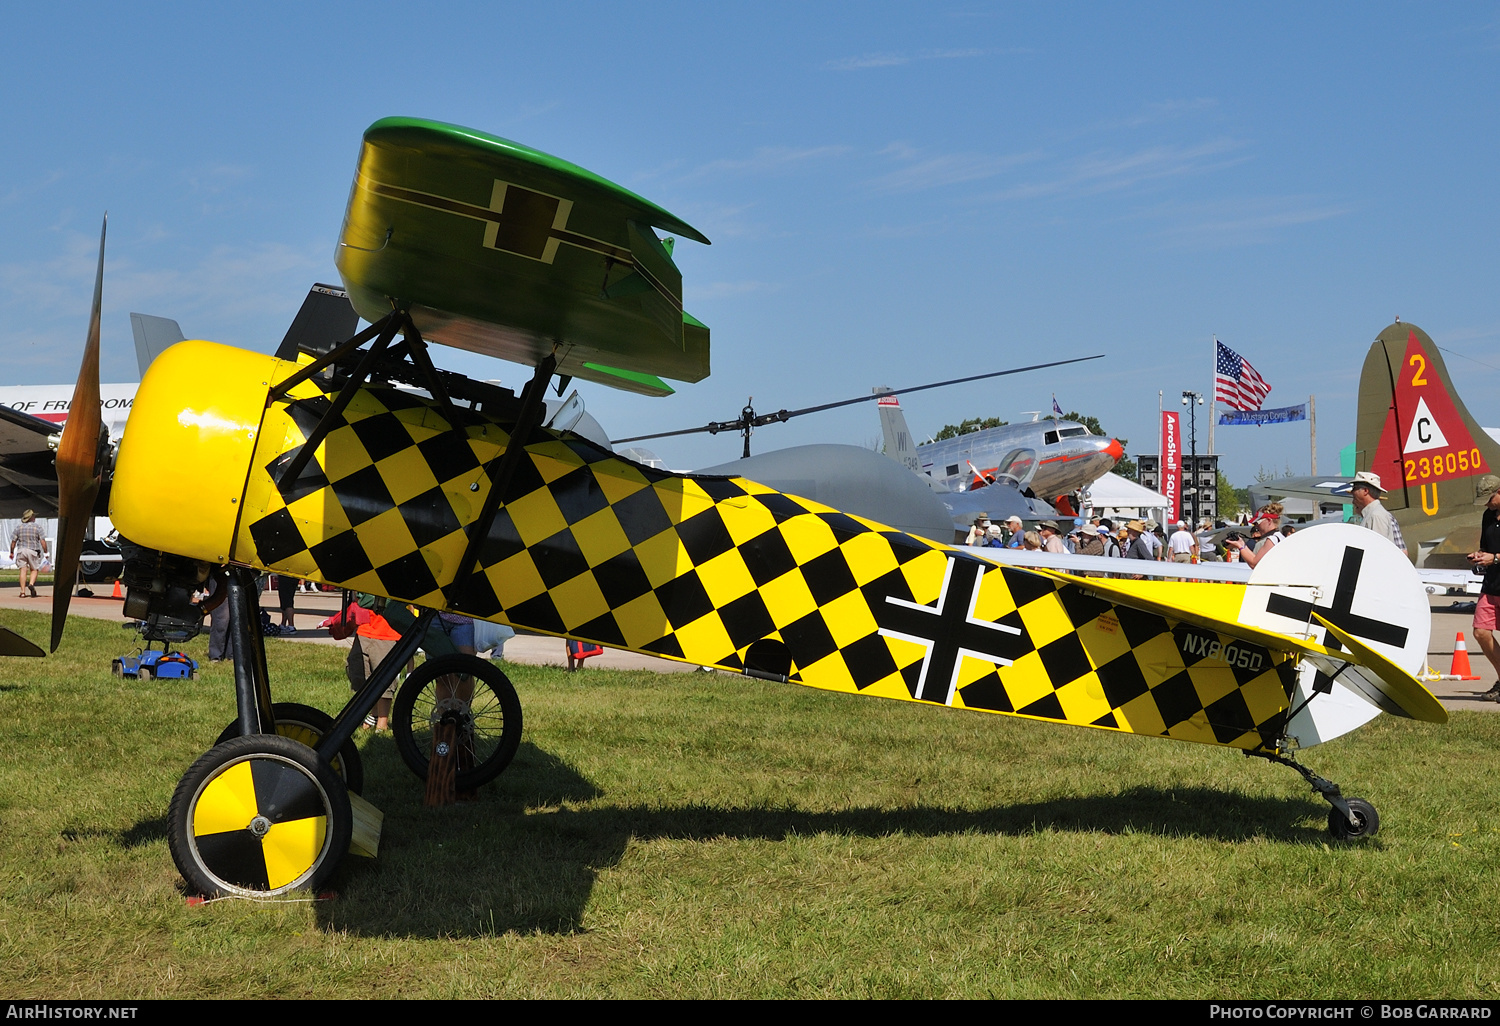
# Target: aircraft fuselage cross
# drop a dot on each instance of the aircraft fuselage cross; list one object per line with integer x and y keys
{"x": 950, "y": 631}
{"x": 1340, "y": 613}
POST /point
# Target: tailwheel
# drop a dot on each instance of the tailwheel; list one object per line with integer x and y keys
{"x": 307, "y": 725}
{"x": 1363, "y": 821}
{"x": 481, "y": 700}
{"x": 258, "y": 816}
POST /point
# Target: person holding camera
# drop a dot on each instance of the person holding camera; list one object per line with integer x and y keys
{"x": 1263, "y": 538}
{"x": 1486, "y": 560}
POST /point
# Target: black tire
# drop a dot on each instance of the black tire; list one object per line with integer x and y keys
{"x": 1366, "y": 821}
{"x": 94, "y": 570}
{"x": 256, "y": 817}
{"x": 306, "y": 725}
{"x": 116, "y": 667}
{"x": 491, "y": 718}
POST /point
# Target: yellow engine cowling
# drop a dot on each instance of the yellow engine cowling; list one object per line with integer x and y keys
{"x": 180, "y": 474}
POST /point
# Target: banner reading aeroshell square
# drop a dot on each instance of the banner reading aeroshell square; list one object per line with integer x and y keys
{"x": 1171, "y": 463}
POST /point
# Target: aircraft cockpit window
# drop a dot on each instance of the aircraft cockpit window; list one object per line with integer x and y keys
{"x": 1073, "y": 432}
{"x": 1050, "y": 438}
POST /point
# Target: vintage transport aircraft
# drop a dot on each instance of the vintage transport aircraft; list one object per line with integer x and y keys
{"x": 457, "y": 497}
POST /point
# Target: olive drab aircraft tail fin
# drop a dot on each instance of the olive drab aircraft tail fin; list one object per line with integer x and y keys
{"x": 1429, "y": 452}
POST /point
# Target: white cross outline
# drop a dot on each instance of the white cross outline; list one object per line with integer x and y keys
{"x": 931, "y": 643}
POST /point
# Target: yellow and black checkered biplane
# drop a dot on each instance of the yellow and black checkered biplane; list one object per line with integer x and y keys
{"x": 450, "y": 495}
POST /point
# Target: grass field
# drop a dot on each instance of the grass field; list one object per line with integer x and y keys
{"x": 711, "y": 836}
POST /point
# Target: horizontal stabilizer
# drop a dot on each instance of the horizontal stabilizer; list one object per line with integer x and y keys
{"x": 1122, "y": 593}
{"x": 1378, "y": 680}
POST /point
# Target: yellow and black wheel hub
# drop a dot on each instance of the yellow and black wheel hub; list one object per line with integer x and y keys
{"x": 258, "y": 816}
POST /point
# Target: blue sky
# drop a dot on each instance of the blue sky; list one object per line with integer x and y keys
{"x": 896, "y": 193}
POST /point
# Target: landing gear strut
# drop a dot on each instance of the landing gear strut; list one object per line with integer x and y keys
{"x": 266, "y": 810}
{"x": 260, "y": 813}
{"x": 1350, "y": 819}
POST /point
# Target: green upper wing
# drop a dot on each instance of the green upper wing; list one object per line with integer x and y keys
{"x": 501, "y": 249}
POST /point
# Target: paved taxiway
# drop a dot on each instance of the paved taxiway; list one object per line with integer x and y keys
{"x": 536, "y": 650}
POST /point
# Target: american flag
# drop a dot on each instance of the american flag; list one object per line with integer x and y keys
{"x": 1236, "y": 384}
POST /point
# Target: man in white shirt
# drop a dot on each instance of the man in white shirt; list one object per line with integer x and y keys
{"x": 1183, "y": 545}
{"x": 1365, "y": 493}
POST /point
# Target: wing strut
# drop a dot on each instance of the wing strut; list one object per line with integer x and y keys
{"x": 291, "y": 470}
{"x": 500, "y": 471}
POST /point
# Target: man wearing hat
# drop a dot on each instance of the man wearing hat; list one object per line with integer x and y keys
{"x": 1151, "y": 539}
{"x": 1089, "y": 542}
{"x": 28, "y": 547}
{"x": 1365, "y": 492}
{"x": 1486, "y": 560}
{"x": 1138, "y": 548}
{"x": 978, "y": 534}
{"x": 1052, "y": 537}
{"x": 1016, "y": 529}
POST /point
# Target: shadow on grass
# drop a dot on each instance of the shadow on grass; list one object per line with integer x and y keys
{"x": 147, "y": 831}
{"x": 490, "y": 867}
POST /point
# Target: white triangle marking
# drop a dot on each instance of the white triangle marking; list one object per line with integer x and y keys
{"x": 1425, "y": 433}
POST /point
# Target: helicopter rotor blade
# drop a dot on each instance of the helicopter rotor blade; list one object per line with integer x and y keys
{"x": 784, "y": 415}
{"x": 712, "y": 428}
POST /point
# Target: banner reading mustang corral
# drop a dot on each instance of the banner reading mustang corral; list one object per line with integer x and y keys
{"x": 1280, "y": 415}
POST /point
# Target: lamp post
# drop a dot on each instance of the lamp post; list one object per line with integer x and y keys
{"x": 1193, "y": 400}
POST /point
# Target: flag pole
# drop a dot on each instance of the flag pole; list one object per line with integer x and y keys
{"x": 1213, "y": 413}
{"x": 1312, "y": 430}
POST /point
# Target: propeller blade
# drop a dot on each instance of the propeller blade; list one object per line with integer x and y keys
{"x": 79, "y": 469}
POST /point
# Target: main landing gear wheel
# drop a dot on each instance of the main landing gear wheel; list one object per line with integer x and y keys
{"x": 306, "y": 725}
{"x": 1366, "y": 821}
{"x": 258, "y": 816}
{"x": 486, "y": 705}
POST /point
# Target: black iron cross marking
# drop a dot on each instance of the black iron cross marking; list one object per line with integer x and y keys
{"x": 1339, "y": 613}
{"x": 526, "y": 224}
{"x": 950, "y": 631}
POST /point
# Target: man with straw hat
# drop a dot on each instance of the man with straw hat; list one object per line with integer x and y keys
{"x": 28, "y": 547}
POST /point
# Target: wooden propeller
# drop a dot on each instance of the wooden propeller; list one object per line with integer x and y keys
{"x": 80, "y": 463}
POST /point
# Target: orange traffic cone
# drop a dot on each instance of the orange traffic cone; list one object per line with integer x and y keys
{"x": 117, "y": 592}
{"x": 1461, "y": 670}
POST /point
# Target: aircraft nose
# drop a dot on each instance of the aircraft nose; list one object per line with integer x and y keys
{"x": 1115, "y": 450}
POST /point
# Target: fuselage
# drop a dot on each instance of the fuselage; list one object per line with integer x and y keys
{"x": 1068, "y": 456}
{"x": 51, "y": 403}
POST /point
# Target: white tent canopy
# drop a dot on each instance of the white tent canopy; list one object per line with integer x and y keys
{"x": 1112, "y": 495}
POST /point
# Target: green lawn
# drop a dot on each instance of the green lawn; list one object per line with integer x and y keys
{"x": 707, "y": 836}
